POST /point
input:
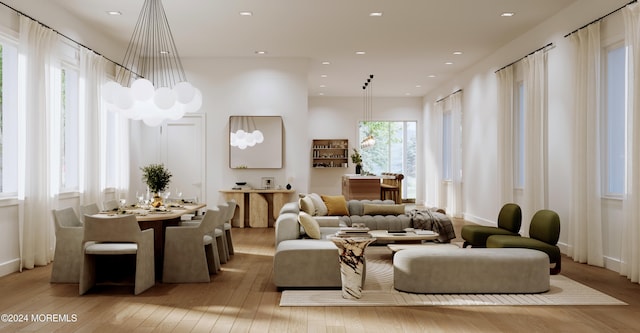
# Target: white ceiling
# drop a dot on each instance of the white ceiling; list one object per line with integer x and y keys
{"x": 411, "y": 41}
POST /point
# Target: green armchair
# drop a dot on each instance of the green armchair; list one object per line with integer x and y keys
{"x": 544, "y": 232}
{"x": 509, "y": 222}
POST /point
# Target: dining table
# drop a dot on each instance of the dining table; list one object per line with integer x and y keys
{"x": 158, "y": 219}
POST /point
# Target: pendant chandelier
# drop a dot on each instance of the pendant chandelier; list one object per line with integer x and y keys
{"x": 244, "y": 132}
{"x": 152, "y": 85}
{"x": 367, "y": 107}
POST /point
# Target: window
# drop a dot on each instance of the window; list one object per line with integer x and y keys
{"x": 518, "y": 137}
{"x": 8, "y": 119}
{"x": 394, "y": 151}
{"x": 615, "y": 121}
{"x": 69, "y": 131}
{"x": 447, "y": 139}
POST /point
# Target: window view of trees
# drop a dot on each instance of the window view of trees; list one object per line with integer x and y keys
{"x": 394, "y": 151}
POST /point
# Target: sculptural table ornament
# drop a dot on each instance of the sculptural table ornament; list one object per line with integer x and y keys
{"x": 352, "y": 264}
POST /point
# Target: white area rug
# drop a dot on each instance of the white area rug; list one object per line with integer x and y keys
{"x": 378, "y": 291}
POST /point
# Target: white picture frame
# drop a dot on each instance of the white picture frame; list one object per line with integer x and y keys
{"x": 268, "y": 183}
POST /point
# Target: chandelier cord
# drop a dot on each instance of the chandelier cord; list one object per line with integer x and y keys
{"x": 152, "y": 52}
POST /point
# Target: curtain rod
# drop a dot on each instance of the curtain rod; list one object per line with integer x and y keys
{"x": 598, "y": 19}
{"x": 445, "y": 97}
{"x": 63, "y": 35}
{"x": 530, "y": 53}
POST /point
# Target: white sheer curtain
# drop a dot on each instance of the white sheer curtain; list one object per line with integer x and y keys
{"x": 585, "y": 218}
{"x": 535, "y": 101}
{"x": 38, "y": 186}
{"x": 455, "y": 195}
{"x": 92, "y": 74}
{"x": 630, "y": 254}
{"x": 453, "y": 191}
{"x": 505, "y": 134}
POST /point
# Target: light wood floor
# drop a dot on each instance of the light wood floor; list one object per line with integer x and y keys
{"x": 242, "y": 298}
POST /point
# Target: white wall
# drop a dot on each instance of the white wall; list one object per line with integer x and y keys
{"x": 479, "y": 85}
{"x": 338, "y": 117}
{"x": 258, "y": 87}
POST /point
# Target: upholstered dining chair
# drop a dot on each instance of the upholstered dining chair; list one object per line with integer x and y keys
{"x": 110, "y": 205}
{"x": 113, "y": 236}
{"x": 89, "y": 209}
{"x": 544, "y": 232}
{"x": 221, "y": 238}
{"x": 227, "y": 225}
{"x": 190, "y": 252}
{"x": 68, "y": 255}
{"x": 509, "y": 222}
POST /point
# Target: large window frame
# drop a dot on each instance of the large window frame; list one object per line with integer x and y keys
{"x": 69, "y": 129}
{"x": 447, "y": 145}
{"x": 519, "y": 116}
{"x": 613, "y": 120}
{"x": 9, "y": 143}
{"x": 395, "y": 151}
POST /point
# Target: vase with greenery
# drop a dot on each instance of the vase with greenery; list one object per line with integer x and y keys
{"x": 356, "y": 158}
{"x": 157, "y": 178}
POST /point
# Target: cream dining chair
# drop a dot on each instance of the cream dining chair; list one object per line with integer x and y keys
{"x": 113, "y": 236}
{"x": 68, "y": 254}
{"x": 90, "y": 209}
{"x": 190, "y": 252}
{"x": 227, "y": 225}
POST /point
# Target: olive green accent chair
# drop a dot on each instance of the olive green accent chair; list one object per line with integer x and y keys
{"x": 509, "y": 222}
{"x": 544, "y": 232}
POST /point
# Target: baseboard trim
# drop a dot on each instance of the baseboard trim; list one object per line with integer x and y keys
{"x": 479, "y": 220}
{"x": 9, "y": 267}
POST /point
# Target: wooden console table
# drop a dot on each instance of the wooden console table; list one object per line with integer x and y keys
{"x": 257, "y": 208}
{"x": 356, "y": 187}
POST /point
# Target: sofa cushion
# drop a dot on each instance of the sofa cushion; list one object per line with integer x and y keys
{"x": 310, "y": 225}
{"x": 336, "y": 205}
{"x": 382, "y": 209}
{"x": 356, "y": 207}
{"x": 321, "y": 208}
{"x": 306, "y": 205}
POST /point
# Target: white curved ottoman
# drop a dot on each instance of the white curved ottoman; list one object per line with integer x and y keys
{"x": 433, "y": 270}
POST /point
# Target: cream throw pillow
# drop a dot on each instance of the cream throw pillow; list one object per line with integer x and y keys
{"x": 310, "y": 225}
{"x": 376, "y": 209}
{"x": 306, "y": 205}
{"x": 336, "y": 205}
{"x": 321, "y": 208}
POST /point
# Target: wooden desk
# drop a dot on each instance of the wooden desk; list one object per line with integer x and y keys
{"x": 159, "y": 222}
{"x": 257, "y": 208}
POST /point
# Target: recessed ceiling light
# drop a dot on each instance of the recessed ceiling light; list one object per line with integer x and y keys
{"x": 448, "y": 63}
{"x": 321, "y": 94}
{"x": 261, "y": 52}
{"x": 457, "y": 53}
{"x": 361, "y": 52}
{"x": 114, "y": 12}
{"x": 246, "y": 13}
{"x": 322, "y": 86}
{"x": 507, "y": 14}
{"x": 323, "y": 75}
{"x": 418, "y": 86}
{"x": 431, "y": 76}
{"x": 375, "y": 14}
{"x": 326, "y": 63}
